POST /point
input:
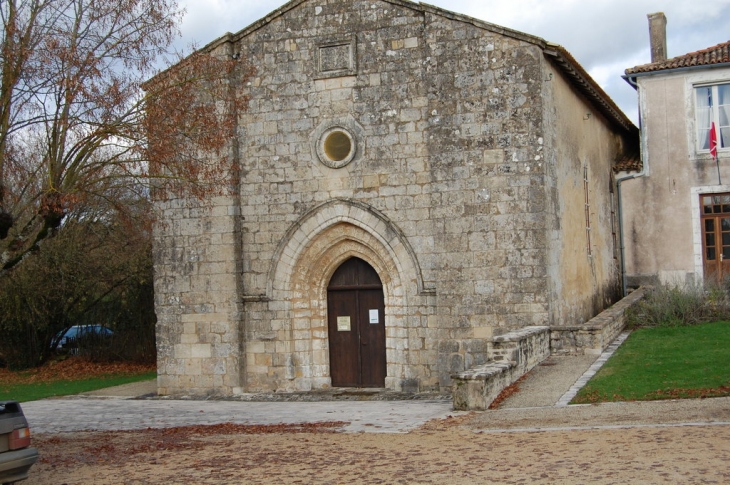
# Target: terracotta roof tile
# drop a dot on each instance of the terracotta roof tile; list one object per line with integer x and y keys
{"x": 712, "y": 55}
{"x": 628, "y": 163}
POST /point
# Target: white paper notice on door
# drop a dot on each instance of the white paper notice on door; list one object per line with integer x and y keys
{"x": 343, "y": 324}
{"x": 374, "y": 316}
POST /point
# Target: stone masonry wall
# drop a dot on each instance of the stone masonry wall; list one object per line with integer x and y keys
{"x": 450, "y": 193}
{"x": 448, "y": 118}
{"x": 196, "y": 288}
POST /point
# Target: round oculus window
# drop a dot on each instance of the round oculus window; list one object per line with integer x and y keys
{"x": 336, "y": 148}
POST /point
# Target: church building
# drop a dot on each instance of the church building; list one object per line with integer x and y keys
{"x": 413, "y": 184}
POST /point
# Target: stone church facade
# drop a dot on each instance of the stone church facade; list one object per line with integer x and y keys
{"x": 414, "y": 183}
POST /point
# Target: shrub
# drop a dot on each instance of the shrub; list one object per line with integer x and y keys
{"x": 93, "y": 272}
{"x": 677, "y": 305}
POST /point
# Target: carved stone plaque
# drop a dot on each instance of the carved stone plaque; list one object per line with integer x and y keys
{"x": 335, "y": 58}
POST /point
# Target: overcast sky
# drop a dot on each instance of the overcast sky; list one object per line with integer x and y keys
{"x": 605, "y": 36}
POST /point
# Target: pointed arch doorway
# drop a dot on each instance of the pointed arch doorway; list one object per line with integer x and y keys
{"x": 356, "y": 326}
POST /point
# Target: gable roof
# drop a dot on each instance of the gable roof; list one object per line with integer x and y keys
{"x": 419, "y": 7}
{"x": 719, "y": 54}
{"x": 565, "y": 62}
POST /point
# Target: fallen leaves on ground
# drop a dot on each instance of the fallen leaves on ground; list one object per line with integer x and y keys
{"x": 451, "y": 456}
{"x": 594, "y": 396}
{"x": 689, "y": 393}
{"x": 507, "y": 392}
{"x": 72, "y": 369}
{"x": 113, "y": 447}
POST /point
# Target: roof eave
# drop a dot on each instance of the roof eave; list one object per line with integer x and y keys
{"x": 586, "y": 85}
{"x": 673, "y": 70}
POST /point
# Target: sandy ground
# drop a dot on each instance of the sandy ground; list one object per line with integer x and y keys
{"x": 526, "y": 441}
{"x": 451, "y": 451}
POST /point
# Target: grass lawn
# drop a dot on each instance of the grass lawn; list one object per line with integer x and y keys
{"x": 665, "y": 363}
{"x": 68, "y": 377}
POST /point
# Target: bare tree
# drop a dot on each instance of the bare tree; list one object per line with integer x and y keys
{"x": 74, "y": 118}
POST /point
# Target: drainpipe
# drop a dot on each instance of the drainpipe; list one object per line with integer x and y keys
{"x": 619, "y": 181}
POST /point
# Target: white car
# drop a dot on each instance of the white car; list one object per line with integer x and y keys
{"x": 16, "y": 454}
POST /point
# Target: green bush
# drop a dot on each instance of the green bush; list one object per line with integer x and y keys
{"x": 678, "y": 305}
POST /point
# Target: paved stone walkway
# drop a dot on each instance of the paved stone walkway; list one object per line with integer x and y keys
{"x": 541, "y": 404}
{"x": 87, "y": 414}
{"x": 592, "y": 370}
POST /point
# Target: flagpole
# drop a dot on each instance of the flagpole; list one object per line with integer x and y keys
{"x": 719, "y": 179}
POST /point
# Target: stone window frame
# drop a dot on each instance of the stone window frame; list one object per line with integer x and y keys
{"x": 350, "y": 128}
{"x": 322, "y": 151}
{"x": 349, "y": 41}
{"x": 691, "y": 81}
{"x": 714, "y": 115}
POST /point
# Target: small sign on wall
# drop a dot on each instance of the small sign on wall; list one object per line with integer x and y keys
{"x": 343, "y": 324}
{"x": 374, "y": 316}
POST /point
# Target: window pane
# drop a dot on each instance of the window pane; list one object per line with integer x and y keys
{"x": 703, "y": 116}
{"x": 724, "y": 112}
{"x": 704, "y": 97}
{"x": 726, "y": 238}
{"x": 724, "y": 135}
{"x": 723, "y": 94}
{"x": 703, "y": 139}
{"x": 710, "y": 225}
{"x": 726, "y": 253}
{"x": 710, "y": 254}
{"x": 725, "y": 224}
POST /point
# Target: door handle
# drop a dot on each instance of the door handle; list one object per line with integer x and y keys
{"x": 364, "y": 343}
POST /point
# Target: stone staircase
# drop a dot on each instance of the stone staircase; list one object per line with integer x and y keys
{"x": 514, "y": 354}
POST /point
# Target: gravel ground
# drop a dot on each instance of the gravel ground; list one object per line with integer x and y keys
{"x": 527, "y": 440}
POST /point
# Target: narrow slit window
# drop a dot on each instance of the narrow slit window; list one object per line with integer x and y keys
{"x": 587, "y": 209}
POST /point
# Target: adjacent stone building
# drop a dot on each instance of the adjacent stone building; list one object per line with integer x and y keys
{"x": 414, "y": 182}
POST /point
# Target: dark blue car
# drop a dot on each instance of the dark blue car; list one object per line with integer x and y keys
{"x": 69, "y": 338}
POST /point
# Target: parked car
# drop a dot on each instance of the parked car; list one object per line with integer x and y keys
{"x": 69, "y": 338}
{"x": 16, "y": 454}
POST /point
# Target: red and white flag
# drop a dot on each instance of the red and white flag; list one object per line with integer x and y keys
{"x": 713, "y": 141}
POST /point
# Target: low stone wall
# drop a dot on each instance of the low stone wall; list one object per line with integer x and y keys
{"x": 592, "y": 337}
{"x": 477, "y": 388}
{"x": 526, "y": 347}
{"x": 514, "y": 354}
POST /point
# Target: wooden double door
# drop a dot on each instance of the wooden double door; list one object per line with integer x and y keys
{"x": 716, "y": 236}
{"x": 356, "y": 326}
